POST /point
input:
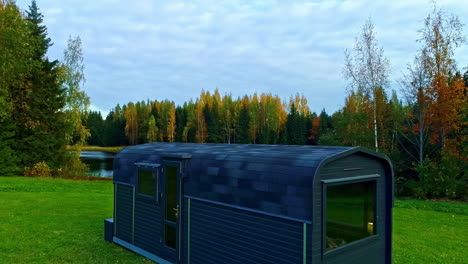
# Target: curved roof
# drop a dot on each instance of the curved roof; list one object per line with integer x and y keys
{"x": 276, "y": 179}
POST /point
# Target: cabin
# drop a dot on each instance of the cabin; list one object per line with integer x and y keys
{"x": 190, "y": 203}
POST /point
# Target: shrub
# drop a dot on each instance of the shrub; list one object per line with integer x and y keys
{"x": 74, "y": 169}
{"x": 445, "y": 178}
{"x": 40, "y": 169}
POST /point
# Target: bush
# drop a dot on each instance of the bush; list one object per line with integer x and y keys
{"x": 445, "y": 178}
{"x": 40, "y": 169}
{"x": 74, "y": 169}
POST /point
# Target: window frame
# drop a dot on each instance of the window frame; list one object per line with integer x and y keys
{"x": 343, "y": 181}
{"x": 153, "y": 168}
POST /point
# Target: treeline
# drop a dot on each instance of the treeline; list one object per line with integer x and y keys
{"x": 256, "y": 119}
{"x": 211, "y": 118}
{"x": 40, "y": 100}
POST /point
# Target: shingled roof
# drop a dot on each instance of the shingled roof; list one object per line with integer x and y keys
{"x": 276, "y": 179}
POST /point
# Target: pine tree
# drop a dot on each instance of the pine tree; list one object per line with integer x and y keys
{"x": 211, "y": 115}
{"x": 95, "y": 124}
{"x": 181, "y": 121}
{"x": 39, "y": 32}
{"x": 295, "y": 127}
{"x": 38, "y": 103}
{"x": 114, "y": 128}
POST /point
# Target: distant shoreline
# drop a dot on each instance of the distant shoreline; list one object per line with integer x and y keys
{"x": 103, "y": 149}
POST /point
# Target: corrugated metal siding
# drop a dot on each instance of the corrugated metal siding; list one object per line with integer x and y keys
{"x": 310, "y": 243}
{"x": 185, "y": 232}
{"x": 220, "y": 234}
{"x": 372, "y": 252}
{"x": 124, "y": 212}
{"x": 368, "y": 254}
{"x": 147, "y": 225}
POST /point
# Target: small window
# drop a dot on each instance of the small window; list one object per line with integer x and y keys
{"x": 350, "y": 213}
{"x": 147, "y": 182}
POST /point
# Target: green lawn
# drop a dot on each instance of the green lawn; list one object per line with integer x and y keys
{"x": 57, "y": 221}
{"x": 430, "y": 232}
{"x": 61, "y": 221}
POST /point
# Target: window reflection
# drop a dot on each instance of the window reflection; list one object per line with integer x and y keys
{"x": 350, "y": 213}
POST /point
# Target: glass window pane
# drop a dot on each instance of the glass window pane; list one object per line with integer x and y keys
{"x": 350, "y": 213}
{"x": 171, "y": 194}
{"x": 146, "y": 183}
{"x": 170, "y": 239}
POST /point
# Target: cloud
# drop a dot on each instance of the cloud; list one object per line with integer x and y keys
{"x": 149, "y": 49}
{"x": 52, "y": 11}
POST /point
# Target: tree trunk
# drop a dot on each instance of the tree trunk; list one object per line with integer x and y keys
{"x": 375, "y": 125}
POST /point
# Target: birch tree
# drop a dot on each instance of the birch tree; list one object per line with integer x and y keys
{"x": 367, "y": 68}
{"x": 77, "y": 102}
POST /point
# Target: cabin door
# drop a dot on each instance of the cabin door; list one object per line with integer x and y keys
{"x": 171, "y": 210}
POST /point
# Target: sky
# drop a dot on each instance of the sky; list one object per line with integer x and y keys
{"x": 150, "y": 49}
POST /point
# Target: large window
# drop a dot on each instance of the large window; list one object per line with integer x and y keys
{"x": 147, "y": 182}
{"x": 350, "y": 213}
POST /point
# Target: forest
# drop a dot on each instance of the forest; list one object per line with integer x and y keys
{"x": 422, "y": 127}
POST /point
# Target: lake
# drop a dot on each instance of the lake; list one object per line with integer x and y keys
{"x": 101, "y": 164}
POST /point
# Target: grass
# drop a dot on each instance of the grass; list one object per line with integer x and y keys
{"x": 430, "y": 232}
{"x": 104, "y": 149}
{"x": 45, "y": 220}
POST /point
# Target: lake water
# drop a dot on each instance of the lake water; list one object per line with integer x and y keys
{"x": 101, "y": 164}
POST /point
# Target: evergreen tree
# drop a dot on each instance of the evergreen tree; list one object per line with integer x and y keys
{"x": 212, "y": 123}
{"x": 243, "y": 122}
{"x": 44, "y": 138}
{"x": 325, "y": 122}
{"x": 40, "y": 40}
{"x": 95, "y": 124}
{"x": 295, "y": 127}
{"x": 181, "y": 121}
{"x": 114, "y": 128}
{"x": 39, "y": 100}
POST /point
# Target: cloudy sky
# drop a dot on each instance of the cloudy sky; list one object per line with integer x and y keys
{"x": 150, "y": 49}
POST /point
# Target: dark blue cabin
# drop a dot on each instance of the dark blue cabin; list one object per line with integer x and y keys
{"x": 241, "y": 204}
